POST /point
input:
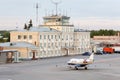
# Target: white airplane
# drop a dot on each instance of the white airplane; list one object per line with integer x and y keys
{"x": 81, "y": 62}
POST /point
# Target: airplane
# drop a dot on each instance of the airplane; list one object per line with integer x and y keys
{"x": 81, "y": 62}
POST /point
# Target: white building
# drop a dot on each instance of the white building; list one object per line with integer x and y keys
{"x": 56, "y": 37}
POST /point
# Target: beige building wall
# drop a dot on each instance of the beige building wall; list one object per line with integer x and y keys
{"x": 25, "y": 36}
{"x": 108, "y": 39}
{"x": 24, "y": 53}
{"x": 49, "y": 43}
{"x": 53, "y": 43}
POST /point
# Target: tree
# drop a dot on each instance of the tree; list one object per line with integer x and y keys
{"x": 25, "y": 26}
{"x": 102, "y": 32}
{"x": 5, "y": 36}
{"x": 30, "y": 24}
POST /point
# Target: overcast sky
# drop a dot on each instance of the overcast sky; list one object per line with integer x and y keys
{"x": 88, "y": 14}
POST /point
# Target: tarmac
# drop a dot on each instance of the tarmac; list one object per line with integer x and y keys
{"x": 105, "y": 67}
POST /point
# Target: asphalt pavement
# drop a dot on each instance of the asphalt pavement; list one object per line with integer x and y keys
{"x": 105, "y": 67}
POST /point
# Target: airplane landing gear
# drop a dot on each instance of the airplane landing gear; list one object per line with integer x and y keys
{"x": 76, "y": 67}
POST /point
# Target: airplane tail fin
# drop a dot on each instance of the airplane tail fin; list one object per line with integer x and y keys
{"x": 91, "y": 56}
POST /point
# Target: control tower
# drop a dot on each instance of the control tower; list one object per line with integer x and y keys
{"x": 58, "y": 22}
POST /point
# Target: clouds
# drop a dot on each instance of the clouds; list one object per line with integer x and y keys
{"x": 87, "y": 12}
{"x": 81, "y": 8}
{"x": 102, "y": 8}
{"x": 96, "y": 23}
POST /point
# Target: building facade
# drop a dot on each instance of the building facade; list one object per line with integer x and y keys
{"x": 56, "y": 37}
{"x": 106, "y": 39}
{"x": 26, "y": 50}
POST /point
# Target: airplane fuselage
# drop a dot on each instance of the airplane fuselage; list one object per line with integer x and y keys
{"x": 81, "y": 62}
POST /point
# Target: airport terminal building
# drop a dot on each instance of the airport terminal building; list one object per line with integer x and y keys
{"x": 55, "y": 37}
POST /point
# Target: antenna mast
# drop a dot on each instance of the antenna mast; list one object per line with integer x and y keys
{"x": 56, "y": 4}
{"x": 37, "y": 14}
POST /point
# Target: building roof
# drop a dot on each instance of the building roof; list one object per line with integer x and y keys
{"x": 6, "y": 51}
{"x": 39, "y": 29}
{"x": 81, "y": 30}
{"x": 18, "y": 45}
{"x": 69, "y": 25}
{"x": 56, "y": 16}
{"x": 44, "y": 29}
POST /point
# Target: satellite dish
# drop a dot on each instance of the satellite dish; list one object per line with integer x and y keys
{"x": 56, "y": 2}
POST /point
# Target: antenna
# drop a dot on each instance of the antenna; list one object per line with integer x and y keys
{"x": 52, "y": 12}
{"x": 45, "y": 12}
{"x": 63, "y": 12}
{"x": 16, "y": 26}
{"x": 66, "y": 12}
{"x": 37, "y": 14}
{"x": 56, "y": 4}
{"x": 60, "y": 12}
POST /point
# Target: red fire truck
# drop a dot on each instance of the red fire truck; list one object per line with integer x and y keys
{"x": 108, "y": 50}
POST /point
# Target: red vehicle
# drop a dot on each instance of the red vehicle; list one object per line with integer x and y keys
{"x": 108, "y": 50}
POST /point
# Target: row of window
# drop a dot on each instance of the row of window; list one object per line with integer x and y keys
{"x": 67, "y": 37}
{"x": 68, "y": 29}
{"x": 49, "y": 45}
{"x": 52, "y": 53}
{"x": 49, "y": 37}
{"x": 83, "y": 37}
{"x": 7, "y": 54}
{"x": 24, "y": 37}
{"x": 46, "y": 37}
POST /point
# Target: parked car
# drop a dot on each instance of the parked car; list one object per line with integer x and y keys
{"x": 86, "y": 54}
{"x": 99, "y": 52}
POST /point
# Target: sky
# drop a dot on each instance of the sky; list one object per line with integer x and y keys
{"x": 85, "y": 14}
